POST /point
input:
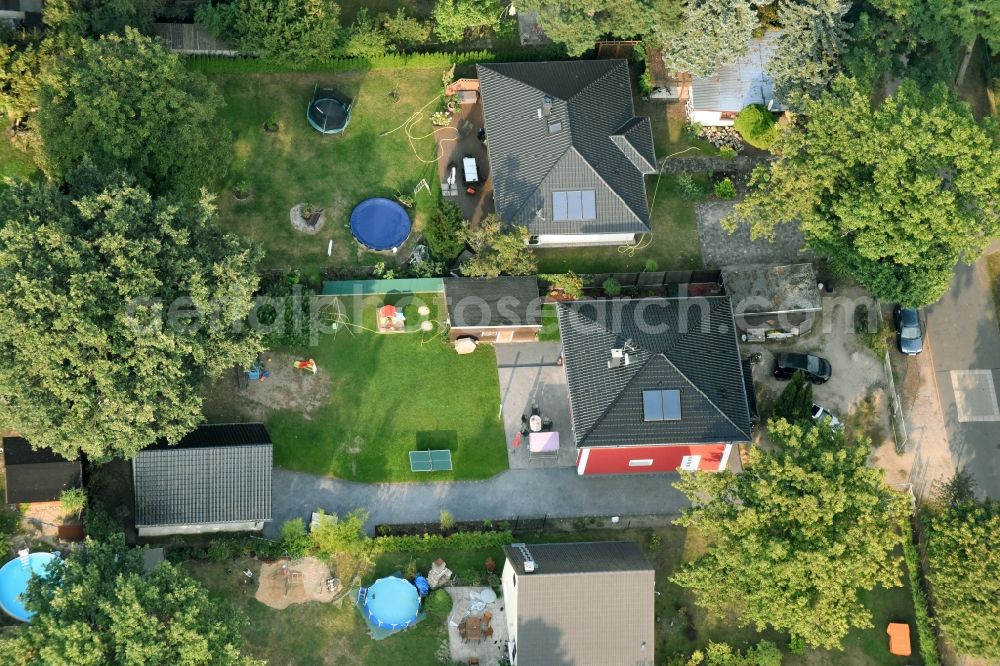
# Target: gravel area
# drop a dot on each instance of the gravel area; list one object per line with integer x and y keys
{"x": 720, "y": 248}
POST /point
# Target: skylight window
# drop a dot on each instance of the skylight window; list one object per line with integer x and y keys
{"x": 574, "y": 205}
{"x": 661, "y": 405}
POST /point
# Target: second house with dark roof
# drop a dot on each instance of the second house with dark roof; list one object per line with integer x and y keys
{"x": 217, "y": 478}
{"x": 568, "y": 155}
{"x": 655, "y": 384}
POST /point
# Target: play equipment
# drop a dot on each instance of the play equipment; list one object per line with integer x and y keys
{"x": 899, "y": 639}
{"x": 308, "y": 365}
{"x": 390, "y": 603}
{"x": 380, "y": 224}
{"x": 390, "y": 319}
{"x": 328, "y": 112}
{"x": 14, "y": 577}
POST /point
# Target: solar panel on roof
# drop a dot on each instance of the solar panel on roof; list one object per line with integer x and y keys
{"x": 559, "y": 206}
{"x": 652, "y": 406}
{"x": 589, "y": 205}
{"x": 661, "y": 405}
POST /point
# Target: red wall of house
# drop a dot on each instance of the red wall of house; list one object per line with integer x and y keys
{"x": 615, "y": 460}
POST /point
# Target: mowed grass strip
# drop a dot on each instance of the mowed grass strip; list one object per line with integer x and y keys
{"x": 297, "y": 164}
{"x": 392, "y": 394}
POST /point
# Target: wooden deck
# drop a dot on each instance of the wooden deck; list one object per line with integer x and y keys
{"x": 192, "y": 39}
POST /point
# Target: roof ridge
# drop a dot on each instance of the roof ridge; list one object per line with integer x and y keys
{"x": 715, "y": 305}
{"x": 616, "y": 63}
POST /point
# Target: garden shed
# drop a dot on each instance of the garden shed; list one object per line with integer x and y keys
{"x": 773, "y": 301}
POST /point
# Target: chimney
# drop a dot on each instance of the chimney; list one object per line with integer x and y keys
{"x": 547, "y": 105}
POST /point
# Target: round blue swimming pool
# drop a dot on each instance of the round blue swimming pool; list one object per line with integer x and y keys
{"x": 392, "y": 603}
{"x": 380, "y": 224}
{"x": 14, "y": 581}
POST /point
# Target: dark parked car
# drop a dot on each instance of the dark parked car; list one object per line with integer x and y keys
{"x": 909, "y": 333}
{"x": 816, "y": 369}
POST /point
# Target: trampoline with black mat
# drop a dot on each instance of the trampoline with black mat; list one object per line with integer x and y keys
{"x": 430, "y": 461}
{"x": 329, "y": 112}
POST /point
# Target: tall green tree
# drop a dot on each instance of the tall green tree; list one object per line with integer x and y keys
{"x": 115, "y": 306}
{"x": 963, "y": 549}
{"x": 499, "y": 251}
{"x": 716, "y": 33}
{"x": 444, "y": 232}
{"x": 99, "y": 607}
{"x": 126, "y": 102}
{"x": 938, "y": 21}
{"x": 809, "y": 51}
{"x": 93, "y": 18}
{"x": 794, "y": 537}
{"x": 21, "y": 58}
{"x": 454, "y": 19}
{"x": 796, "y": 400}
{"x": 579, "y": 24}
{"x": 279, "y": 30}
{"x": 892, "y": 195}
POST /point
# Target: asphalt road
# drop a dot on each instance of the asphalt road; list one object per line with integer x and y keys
{"x": 529, "y": 493}
{"x": 965, "y": 345}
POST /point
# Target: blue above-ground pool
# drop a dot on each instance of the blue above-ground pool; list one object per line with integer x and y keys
{"x": 14, "y": 582}
{"x": 392, "y": 603}
{"x": 380, "y": 224}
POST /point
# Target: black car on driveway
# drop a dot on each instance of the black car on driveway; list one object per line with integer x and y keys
{"x": 816, "y": 369}
{"x": 909, "y": 333}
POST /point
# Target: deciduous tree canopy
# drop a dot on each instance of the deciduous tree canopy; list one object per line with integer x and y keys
{"x": 794, "y": 537}
{"x": 498, "y": 251}
{"x": 716, "y": 33}
{"x": 93, "y": 18}
{"x": 88, "y": 361}
{"x": 98, "y": 607}
{"x": 809, "y": 50}
{"x": 280, "y": 30}
{"x": 894, "y": 195}
{"x": 963, "y": 548}
{"x": 127, "y": 103}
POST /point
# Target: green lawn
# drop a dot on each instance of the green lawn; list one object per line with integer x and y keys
{"x": 550, "y": 324}
{"x": 392, "y": 394}
{"x": 298, "y": 164}
{"x": 328, "y": 634}
{"x": 14, "y": 162}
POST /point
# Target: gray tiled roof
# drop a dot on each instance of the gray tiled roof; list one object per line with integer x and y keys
{"x": 687, "y": 344}
{"x": 741, "y": 83}
{"x": 586, "y": 604}
{"x": 601, "y": 144}
{"x": 216, "y": 474}
{"x": 502, "y": 301}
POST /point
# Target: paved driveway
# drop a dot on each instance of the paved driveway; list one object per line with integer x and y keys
{"x": 530, "y": 374}
{"x": 965, "y": 347}
{"x": 556, "y": 492}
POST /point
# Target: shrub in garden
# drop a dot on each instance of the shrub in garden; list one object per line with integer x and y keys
{"x": 612, "y": 287}
{"x": 651, "y": 266}
{"x": 294, "y": 539}
{"x": 443, "y": 232}
{"x": 438, "y": 603}
{"x": 689, "y": 188}
{"x": 447, "y": 520}
{"x": 757, "y": 126}
{"x": 724, "y": 189}
{"x": 569, "y": 283}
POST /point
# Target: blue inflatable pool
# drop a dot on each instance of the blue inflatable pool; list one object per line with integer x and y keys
{"x": 380, "y": 224}
{"x": 392, "y": 603}
{"x": 14, "y": 578}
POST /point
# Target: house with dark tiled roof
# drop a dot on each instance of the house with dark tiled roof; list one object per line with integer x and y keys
{"x": 217, "y": 478}
{"x": 36, "y": 475}
{"x": 494, "y": 310}
{"x": 568, "y": 156}
{"x": 586, "y": 604}
{"x": 655, "y": 384}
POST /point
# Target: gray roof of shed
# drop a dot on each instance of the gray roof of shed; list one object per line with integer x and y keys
{"x": 601, "y": 145}
{"x": 215, "y": 474}
{"x": 766, "y": 289}
{"x": 741, "y": 83}
{"x": 586, "y": 604}
{"x": 686, "y": 344}
{"x": 502, "y": 301}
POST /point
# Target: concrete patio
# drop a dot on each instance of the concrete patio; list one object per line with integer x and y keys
{"x": 530, "y": 374}
{"x": 490, "y": 650}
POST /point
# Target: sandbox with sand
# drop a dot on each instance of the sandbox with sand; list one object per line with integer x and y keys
{"x": 299, "y": 581}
